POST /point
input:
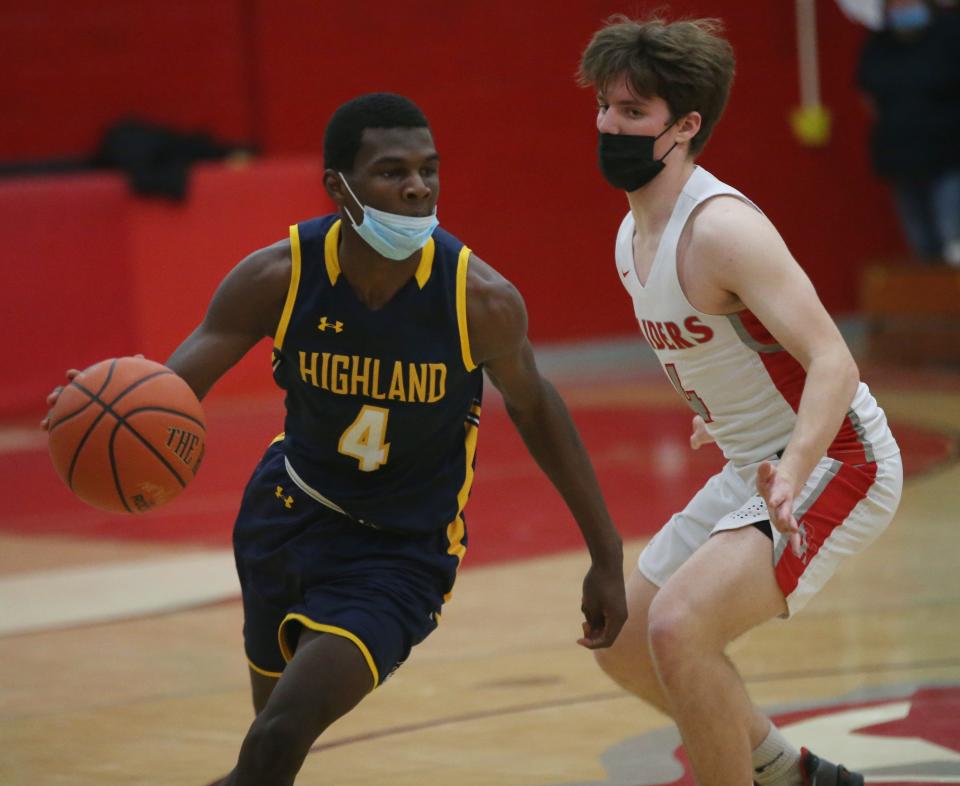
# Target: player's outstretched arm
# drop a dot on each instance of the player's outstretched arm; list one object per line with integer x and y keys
{"x": 245, "y": 308}
{"x": 497, "y": 323}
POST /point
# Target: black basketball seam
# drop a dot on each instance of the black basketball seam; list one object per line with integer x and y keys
{"x": 170, "y": 411}
{"x": 83, "y": 440}
{"x": 123, "y": 422}
{"x": 113, "y": 462}
{"x": 103, "y": 387}
{"x": 114, "y": 470}
{"x": 106, "y": 408}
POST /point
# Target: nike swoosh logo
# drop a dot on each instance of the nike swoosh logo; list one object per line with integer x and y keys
{"x": 759, "y": 770}
{"x": 624, "y": 273}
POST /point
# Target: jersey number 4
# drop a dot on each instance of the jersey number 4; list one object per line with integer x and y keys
{"x": 695, "y": 402}
{"x": 365, "y": 438}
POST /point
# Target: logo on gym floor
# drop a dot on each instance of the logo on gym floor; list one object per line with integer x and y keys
{"x": 897, "y": 736}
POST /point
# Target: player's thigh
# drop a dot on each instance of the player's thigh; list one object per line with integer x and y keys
{"x": 690, "y": 528}
{"x": 326, "y": 678}
{"x": 261, "y": 686}
{"x": 726, "y": 588}
{"x": 326, "y": 669}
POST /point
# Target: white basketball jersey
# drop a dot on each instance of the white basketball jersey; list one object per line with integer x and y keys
{"x": 729, "y": 368}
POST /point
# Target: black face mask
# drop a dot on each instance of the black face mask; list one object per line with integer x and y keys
{"x": 627, "y": 161}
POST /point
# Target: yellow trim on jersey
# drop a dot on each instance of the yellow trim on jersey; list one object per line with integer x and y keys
{"x": 330, "y": 255}
{"x": 275, "y": 674}
{"x": 281, "y": 333}
{"x": 332, "y": 629}
{"x": 278, "y": 438}
{"x": 462, "y": 263}
{"x": 426, "y": 263}
{"x": 455, "y": 529}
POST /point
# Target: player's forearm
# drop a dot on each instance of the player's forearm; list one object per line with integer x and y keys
{"x": 552, "y": 439}
{"x": 830, "y": 386}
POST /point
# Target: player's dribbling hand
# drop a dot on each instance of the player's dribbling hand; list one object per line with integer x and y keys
{"x": 699, "y": 436}
{"x": 777, "y": 490}
{"x": 53, "y": 396}
{"x": 604, "y": 606}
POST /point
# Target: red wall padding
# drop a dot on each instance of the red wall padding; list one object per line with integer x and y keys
{"x": 64, "y": 282}
{"x": 91, "y": 272}
{"x": 70, "y": 69}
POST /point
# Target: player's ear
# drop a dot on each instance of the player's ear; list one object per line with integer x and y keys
{"x": 333, "y": 185}
{"x": 688, "y": 126}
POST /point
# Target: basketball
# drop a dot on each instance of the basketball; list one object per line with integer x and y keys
{"x": 127, "y": 435}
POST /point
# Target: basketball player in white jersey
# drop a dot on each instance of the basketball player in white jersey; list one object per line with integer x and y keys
{"x": 813, "y": 474}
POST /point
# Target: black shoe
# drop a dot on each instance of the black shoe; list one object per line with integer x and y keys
{"x": 820, "y": 772}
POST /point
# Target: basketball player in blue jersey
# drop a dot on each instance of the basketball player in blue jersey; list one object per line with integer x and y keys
{"x": 351, "y": 529}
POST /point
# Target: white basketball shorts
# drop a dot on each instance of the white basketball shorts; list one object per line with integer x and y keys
{"x": 841, "y": 510}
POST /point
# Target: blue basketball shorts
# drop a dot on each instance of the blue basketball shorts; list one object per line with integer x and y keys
{"x": 303, "y": 565}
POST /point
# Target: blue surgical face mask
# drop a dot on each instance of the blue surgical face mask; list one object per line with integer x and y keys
{"x": 390, "y": 235}
{"x": 908, "y": 18}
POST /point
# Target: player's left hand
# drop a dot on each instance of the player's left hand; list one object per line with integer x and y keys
{"x": 53, "y": 395}
{"x": 604, "y": 605}
{"x": 777, "y": 489}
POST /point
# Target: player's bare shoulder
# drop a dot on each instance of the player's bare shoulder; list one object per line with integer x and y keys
{"x": 496, "y": 313}
{"x": 269, "y": 267}
{"x": 255, "y": 291}
{"x": 725, "y": 240}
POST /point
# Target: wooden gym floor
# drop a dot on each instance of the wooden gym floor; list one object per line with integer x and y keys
{"x": 122, "y": 660}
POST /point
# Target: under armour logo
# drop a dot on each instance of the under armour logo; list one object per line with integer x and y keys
{"x": 324, "y": 324}
{"x": 286, "y": 500}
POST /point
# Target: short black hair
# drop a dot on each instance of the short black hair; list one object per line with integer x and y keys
{"x": 341, "y": 141}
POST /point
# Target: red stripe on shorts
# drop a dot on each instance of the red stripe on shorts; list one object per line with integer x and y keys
{"x": 847, "y": 488}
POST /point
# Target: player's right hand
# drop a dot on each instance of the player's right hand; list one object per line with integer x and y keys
{"x": 779, "y": 493}
{"x": 53, "y": 396}
{"x": 699, "y": 436}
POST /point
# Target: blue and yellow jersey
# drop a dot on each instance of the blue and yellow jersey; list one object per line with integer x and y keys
{"x": 383, "y": 406}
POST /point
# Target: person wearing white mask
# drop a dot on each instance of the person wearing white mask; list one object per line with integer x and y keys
{"x": 351, "y": 529}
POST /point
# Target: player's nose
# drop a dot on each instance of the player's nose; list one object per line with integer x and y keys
{"x": 415, "y": 189}
{"x": 606, "y": 123}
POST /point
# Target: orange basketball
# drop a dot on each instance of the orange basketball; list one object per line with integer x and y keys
{"x": 127, "y": 435}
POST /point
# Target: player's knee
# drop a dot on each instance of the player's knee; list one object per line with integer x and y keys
{"x": 672, "y": 632}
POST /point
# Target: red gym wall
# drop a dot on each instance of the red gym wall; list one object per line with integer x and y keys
{"x": 89, "y": 271}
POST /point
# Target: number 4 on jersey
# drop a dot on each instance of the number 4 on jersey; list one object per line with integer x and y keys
{"x": 695, "y": 402}
{"x": 365, "y": 438}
